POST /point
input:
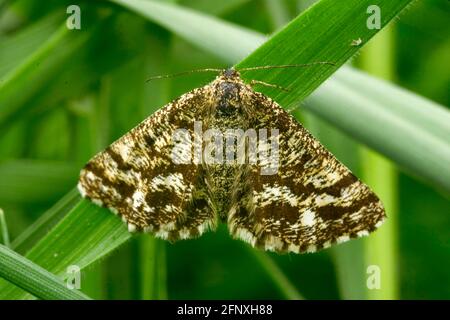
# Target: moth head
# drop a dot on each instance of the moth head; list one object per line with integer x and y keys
{"x": 230, "y": 74}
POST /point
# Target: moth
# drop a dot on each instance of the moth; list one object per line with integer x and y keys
{"x": 309, "y": 202}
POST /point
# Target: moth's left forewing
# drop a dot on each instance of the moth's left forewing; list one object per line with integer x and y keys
{"x": 310, "y": 202}
{"x": 138, "y": 177}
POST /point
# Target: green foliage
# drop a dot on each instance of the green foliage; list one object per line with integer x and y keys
{"x": 84, "y": 88}
{"x": 32, "y": 278}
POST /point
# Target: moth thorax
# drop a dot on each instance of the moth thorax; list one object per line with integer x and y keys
{"x": 228, "y": 101}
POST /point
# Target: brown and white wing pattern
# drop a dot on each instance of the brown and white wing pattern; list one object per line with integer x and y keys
{"x": 136, "y": 177}
{"x": 312, "y": 201}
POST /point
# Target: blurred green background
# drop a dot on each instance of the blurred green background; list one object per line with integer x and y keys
{"x": 93, "y": 90}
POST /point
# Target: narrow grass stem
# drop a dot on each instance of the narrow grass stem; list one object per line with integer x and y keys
{"x": 381, "y": 248}
{"x": 277, "y": 275}
{"x": 4, "y": 229}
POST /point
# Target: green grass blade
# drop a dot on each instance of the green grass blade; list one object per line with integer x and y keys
{"x": 85, "y": 235}
{"x": 4, "y": 230}
{"x": 27, "y": 79}
{"x": 277, "y": 275}
{"x": 34, "y": 279}
{"x": 278, "y": 12}
{"x": 148, "y": 262}
{"x": 15, "y": 49}
{"x": 424, "y": 113}
{"x": 197, "y": 28}
{"x": 30, "y": 181}
{"x": 45, "y": 222}
{"x": 350, "y": 268}
{"x": 213, "y": 7}
{"x": 161, "y": 271}
{"x": 415, "y": 149}
{"x": 323, "y": 33}
{"x": 382, "y": 249}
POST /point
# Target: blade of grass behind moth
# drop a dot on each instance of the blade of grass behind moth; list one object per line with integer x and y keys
{"x": 45, "y": 222}
{"x": 34, "y": 279}
{"x": 120, "y": 284}
{"x": 161, "y": 270}
{"x": 381, "y": 175}
{"x": 328, "y": 28}
{"x": 190, "y": 24}
{"x": 100, "y": 231}
{"x": 37, "y": 70}
{"x": 214, "y": 7}
{"x": 146, "y": 98}
{"x": 31, "y": 181}
{"x": 16, "y": 47}
{"x": 147, "y": 265}
{"x": 408, "y": 105}
{"x": 90, "y": 138}
{"x": 4, "y": 230}
{"x": 99, "y": 121}
{"x": 278, "y": 13}
{"x": 277, "y": 275}
{"x": 418, "y": 151}
{"x": 83, "y": 142}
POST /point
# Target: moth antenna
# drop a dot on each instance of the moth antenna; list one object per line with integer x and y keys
{"x": 287, "y": 66}
{"x": 183, "y": 73}
{"x": 270, "y": 85}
